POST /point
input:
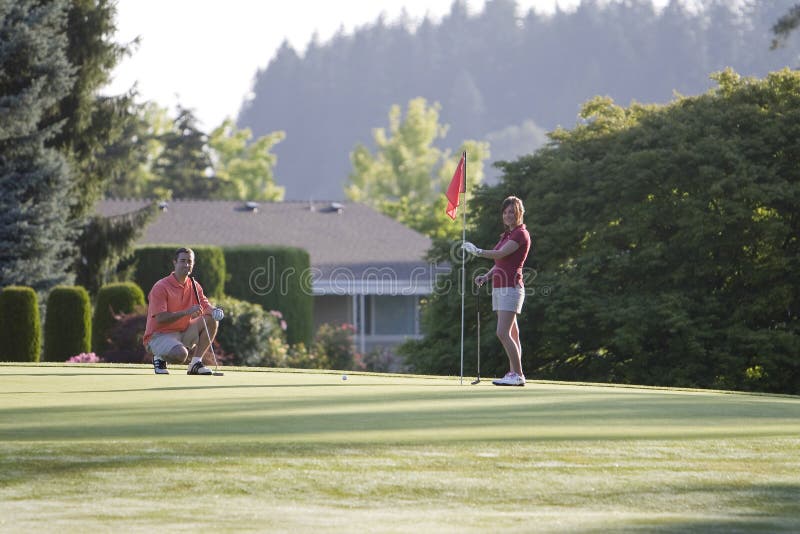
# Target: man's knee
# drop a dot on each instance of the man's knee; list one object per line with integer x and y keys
{"x": 177, "y": 354}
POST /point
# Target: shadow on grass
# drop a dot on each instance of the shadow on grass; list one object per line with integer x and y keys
{"x": 345, "y": 412}
{"x": 117, "y": 373}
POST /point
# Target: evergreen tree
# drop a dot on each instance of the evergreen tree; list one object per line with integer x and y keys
{"x": 36, "y": 234}
{"x": 107, "y": 243}
{"x": 493, "y": 70}
{"x": 184, "y": 168}
{"x": 92, "y": 125}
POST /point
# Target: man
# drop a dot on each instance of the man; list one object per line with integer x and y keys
{"x": 175, "y": 319}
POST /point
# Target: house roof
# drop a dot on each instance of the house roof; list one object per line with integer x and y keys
{"x": 346, "y": 241}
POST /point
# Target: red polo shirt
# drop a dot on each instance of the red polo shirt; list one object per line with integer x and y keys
{"x": 169, "y": 295}
{"x": 508, "y": 270}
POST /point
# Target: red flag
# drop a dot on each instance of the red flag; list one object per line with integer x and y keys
{"x": 457, "y": 185}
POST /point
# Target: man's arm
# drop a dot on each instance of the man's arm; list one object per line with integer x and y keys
{"x": 171, "y": 317}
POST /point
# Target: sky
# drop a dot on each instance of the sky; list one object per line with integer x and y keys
{"x": 204, "y": 54}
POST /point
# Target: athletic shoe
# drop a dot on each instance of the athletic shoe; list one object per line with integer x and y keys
{"x": 497, "y": 382}
{"x": 511, "y": 379}
{"x": 160, "y": 366}
{"x": 197, "y": 368}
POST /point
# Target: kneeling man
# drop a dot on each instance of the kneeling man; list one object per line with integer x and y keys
{"x": 175, "y": 319}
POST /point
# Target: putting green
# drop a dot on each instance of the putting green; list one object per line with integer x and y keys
{"x": 118, "y": 448}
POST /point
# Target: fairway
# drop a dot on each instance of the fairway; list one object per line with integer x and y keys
{"x": 116, "y": 448}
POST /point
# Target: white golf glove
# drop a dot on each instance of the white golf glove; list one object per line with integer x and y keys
{"x": 217, "y": 314}
{"x": 469, "y": 248}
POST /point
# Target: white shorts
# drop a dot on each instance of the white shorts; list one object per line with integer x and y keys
{"x": 163, "y": 342}
{"x": 508, "y": 298}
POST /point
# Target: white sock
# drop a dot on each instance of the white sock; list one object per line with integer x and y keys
{"x": 195, "y": 359}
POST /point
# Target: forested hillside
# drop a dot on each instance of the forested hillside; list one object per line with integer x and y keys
{"x": 500, "y": 75}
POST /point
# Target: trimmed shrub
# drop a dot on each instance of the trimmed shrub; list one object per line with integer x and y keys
{"x": 277, "y": 278}
{"x": 68, "y": 323}
{"x": 112, "y": 299}
{"x": 250, "y": 335}
{"x": 152, "y": 263}
{"x": 20, "y": 327}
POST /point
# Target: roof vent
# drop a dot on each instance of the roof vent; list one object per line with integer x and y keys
{"x": 163, "y": 205}
{"x": 251, "y": 206}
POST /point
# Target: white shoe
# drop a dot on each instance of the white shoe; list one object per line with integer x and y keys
{"x": 497, "y": 382}
{"x": 160, "y": 366}
{"x": 511, "y": 379}
{"x": 197, "y": 368}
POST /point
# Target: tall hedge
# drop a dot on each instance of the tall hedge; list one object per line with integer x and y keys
{"x": 20, "y": 327}
{"x": 120, "y": 297}
{"x": 68, "y": 324}
{"x": 155, "y": 262}
{"x": 278, "y": 278}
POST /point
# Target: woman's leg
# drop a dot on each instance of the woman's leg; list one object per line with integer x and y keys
{"x": 506, "y": 324}
{"x": 515, "y": 337}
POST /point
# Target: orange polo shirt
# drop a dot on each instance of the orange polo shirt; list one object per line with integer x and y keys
{"x": 169, "y": 295}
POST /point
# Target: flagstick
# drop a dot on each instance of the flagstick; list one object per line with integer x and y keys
{"x": 463, "y": 267}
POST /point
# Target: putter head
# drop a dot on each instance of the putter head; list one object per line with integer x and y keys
{"x": 476, "y": 381}
{"x": 218, "y": 373}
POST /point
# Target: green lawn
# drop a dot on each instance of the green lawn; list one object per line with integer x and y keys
{"x": 116, "y": 448}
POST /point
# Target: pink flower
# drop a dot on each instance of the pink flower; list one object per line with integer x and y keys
{"x": 283, "y": 325}
{"x": 85, "y": 357}
{"x": 276, "y": 313}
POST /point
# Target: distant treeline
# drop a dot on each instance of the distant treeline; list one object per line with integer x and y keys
{"x": 501, "y": 75}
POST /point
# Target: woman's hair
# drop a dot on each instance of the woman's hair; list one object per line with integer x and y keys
{"x": 519, "y": 209}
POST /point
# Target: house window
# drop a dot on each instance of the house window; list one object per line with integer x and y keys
{"x": 392, "y": 315}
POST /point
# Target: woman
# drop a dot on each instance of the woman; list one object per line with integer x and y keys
{"x": 508, "y": 292}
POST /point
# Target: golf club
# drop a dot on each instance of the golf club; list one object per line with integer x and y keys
{"x": 477, "y": 301}
{"x": 216, "y": 372}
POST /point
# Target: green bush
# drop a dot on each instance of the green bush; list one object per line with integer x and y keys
{"x": 20, "y": 328}
{"x": 124, "y": 338}
{"x": 250, "y": 335}
{"x": 68, "y": 323}
{"x": 336, "y": 344}
{"x": 112, "y": 299}
{"x": 153, "y": 263}
{"x": 277, "y": 278}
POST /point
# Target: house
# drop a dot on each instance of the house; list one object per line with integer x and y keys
{"x": 367, "y": 269}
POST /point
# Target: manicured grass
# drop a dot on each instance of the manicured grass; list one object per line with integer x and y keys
{"x": 117, "y": 448}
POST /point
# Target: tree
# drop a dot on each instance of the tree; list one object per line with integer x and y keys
{"x": 665, "y": 241}
{"x": 92, "y": 124}
{"x": 183, "y": 168}
{"x": 36, "y": 233}
{"x": 244, "y": 169}
{"x": 106, "y": 243}
{"x": 142, "y": 143}
{"x": 407, "y": 177}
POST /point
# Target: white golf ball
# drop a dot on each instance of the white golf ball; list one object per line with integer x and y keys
{"x": 344, "y": 377}
{"x": 217, "y": 314}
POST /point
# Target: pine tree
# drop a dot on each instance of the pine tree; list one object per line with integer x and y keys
{"x": 35, "y": 233}
{"x": 184, "y": 166}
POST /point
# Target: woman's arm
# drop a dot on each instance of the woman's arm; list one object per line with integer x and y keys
{"x": 508, "y": 248}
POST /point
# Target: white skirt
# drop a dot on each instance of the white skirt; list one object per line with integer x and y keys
{"x": 508, "y": 298}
